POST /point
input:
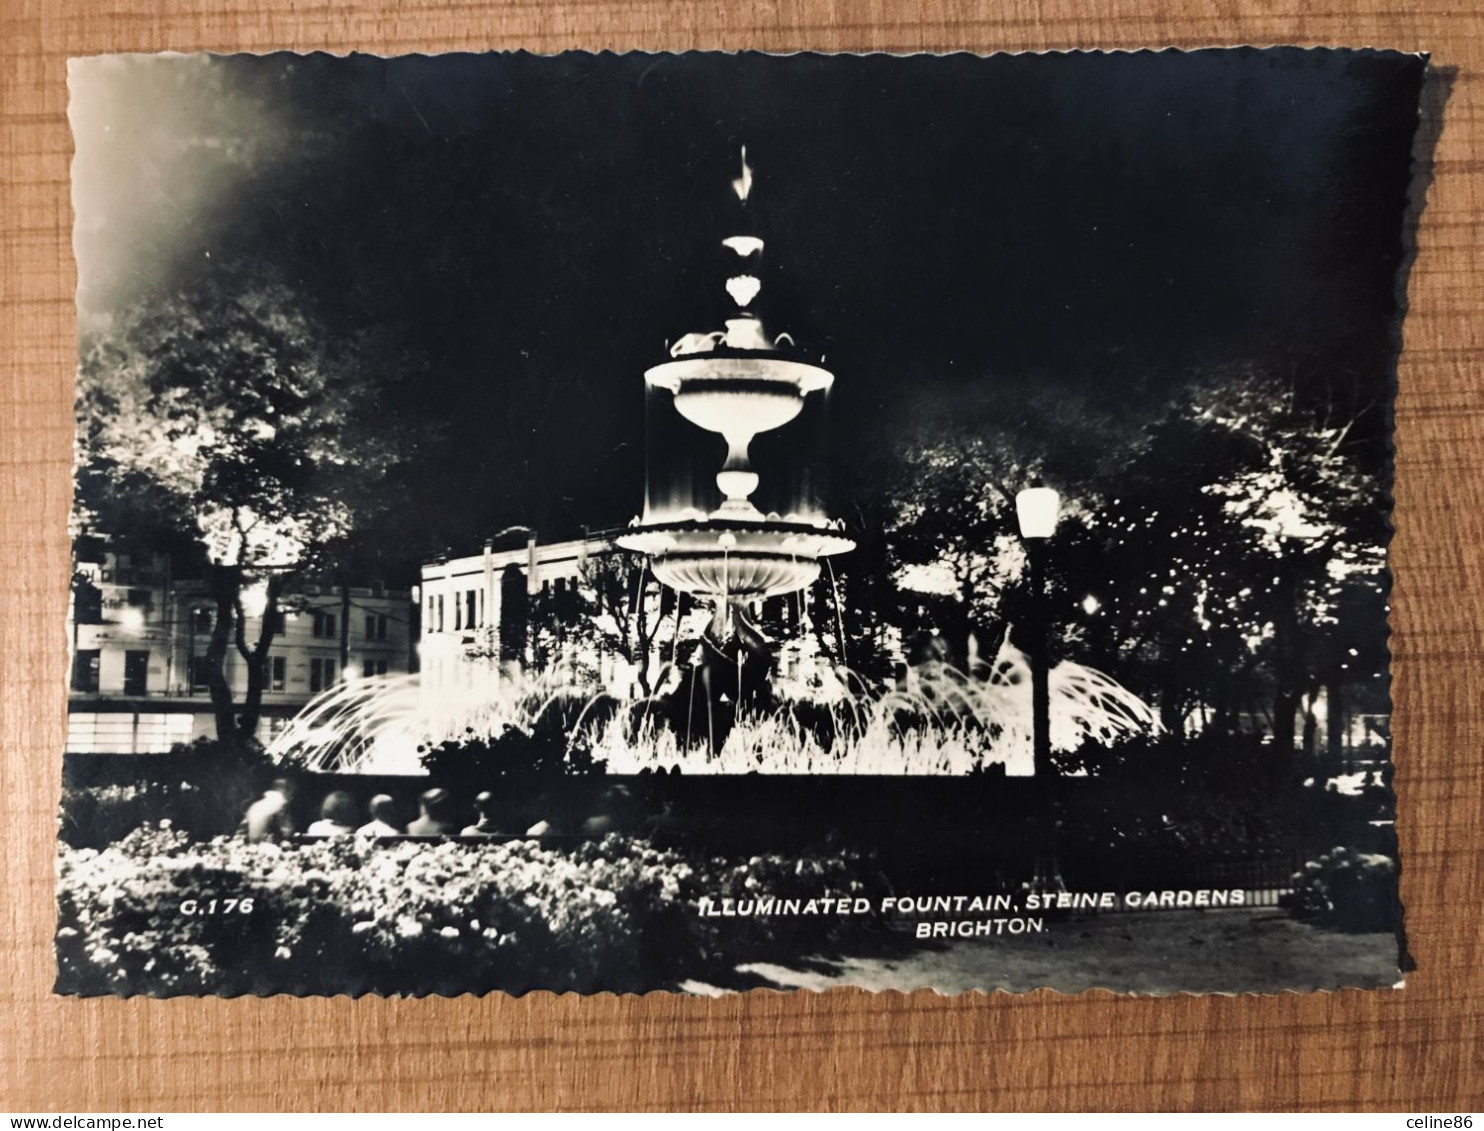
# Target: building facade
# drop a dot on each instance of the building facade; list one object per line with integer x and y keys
{"x": 139, "y": 637}
{"x": 585, "y": 610}
{"x": 479, "y": 606}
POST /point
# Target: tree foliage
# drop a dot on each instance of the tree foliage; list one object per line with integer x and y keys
{"x": 231, "y": 421}
{"x": 1227, "y": 561}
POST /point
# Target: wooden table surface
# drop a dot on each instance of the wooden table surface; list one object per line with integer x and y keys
{"x": 1416, "y": 1050}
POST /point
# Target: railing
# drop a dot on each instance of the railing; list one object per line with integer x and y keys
{"x": 1263, "y": 880}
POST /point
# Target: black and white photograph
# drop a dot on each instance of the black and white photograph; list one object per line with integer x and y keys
{"x": 704, "y": 522}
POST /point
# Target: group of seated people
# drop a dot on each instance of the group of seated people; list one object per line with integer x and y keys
{"x": 269, "y": 818}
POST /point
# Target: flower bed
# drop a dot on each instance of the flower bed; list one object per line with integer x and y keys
{"x": 616, "y": 914}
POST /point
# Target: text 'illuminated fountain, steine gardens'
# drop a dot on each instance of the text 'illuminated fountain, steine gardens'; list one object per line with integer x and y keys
{"x": 738, "y": 383}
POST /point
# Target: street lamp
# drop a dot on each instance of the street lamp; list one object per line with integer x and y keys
{"x": 1037, "y": 509}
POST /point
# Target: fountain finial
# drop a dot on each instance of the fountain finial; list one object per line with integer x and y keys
{"x": 742, "y": 185}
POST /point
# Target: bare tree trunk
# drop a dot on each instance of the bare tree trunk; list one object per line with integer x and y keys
{"x": 257, "y": 657}
{"x": 1335, "y": 726}
{"x": 1285, "y": 717}
{"x": 645, "y": 630}
{"x": 344, "y": 629}
{"x": 1286, "y": 667}
{"x": 224, "y": 590}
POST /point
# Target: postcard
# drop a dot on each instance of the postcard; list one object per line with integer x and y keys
{"x": 697, "y": 522}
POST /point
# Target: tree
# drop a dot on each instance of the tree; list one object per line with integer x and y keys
{"x": 622, "y": 616}
{"x": 1310, "y": 501}
{"x": 953, "y": 534}
{"x": 249, "y": 433}
{"x": 1223, "y": 556}
{"x": 1226, "y": 559}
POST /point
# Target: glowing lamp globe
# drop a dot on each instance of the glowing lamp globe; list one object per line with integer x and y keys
{"x": 1037, "y": 510}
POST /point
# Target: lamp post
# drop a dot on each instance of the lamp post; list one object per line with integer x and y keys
{"x": 1037, "y": 509}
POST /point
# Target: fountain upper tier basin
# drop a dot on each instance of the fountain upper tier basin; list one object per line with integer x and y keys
{"x": 720, "y": 558}
{"x": 737, "y": 393}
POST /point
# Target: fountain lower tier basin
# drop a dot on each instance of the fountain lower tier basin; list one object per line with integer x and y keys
{"x": 734, "y": 559}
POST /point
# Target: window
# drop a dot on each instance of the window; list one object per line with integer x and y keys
{"x": 375, "y": 667}
{"x": 138, "y": 598}
{"x": 200, "y": 673}
{"x": 87, "y": 603}
{"x": 440, "y": 612}
{"x": 321, "y": 674}
{"x": 471, "y": 599}
{"x": 136, "y": 673}
{"x": 325, "y": 625}
{"x": 458, "y": 613}
{"x": 277, "y": 673}
{"x": 375, "y": 626}
{"x": 277, "y": 622}
{"x": 85, "y": 670}
{"x": 200, "y": 621}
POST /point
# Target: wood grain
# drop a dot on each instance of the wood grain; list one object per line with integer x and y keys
{"x": 1417, "y": 1049}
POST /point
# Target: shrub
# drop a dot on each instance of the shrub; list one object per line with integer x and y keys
{"x": 203, "y": 787}
{"x": 616, "y": 914}
{"x": 479, "y": 762}
{"x": 93, "y": 816}
{"x": 1347, "y": 891}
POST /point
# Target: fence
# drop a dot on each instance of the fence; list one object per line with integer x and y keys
{"x": 1262, "y": 880}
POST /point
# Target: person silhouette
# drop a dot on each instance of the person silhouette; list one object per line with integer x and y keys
{"x": 268, "y": 818}
{"x": 383, "y": 812}
{"x": 433, "y": 818}
{"x": 487, "y": 825}
{"x": 337, "y": 816}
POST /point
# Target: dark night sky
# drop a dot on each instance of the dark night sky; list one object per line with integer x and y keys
{"x": 949, "y": 231}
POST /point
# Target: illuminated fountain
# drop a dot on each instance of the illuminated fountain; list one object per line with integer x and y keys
{"x": 703, "y": 533}
{"x": 737, "y": 383}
